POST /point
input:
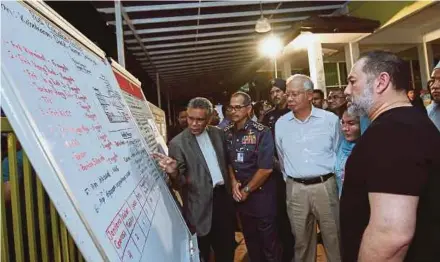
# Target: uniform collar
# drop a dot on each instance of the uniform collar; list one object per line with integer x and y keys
{"x": 316, "y": 112}
{"x": 246, "y": 125}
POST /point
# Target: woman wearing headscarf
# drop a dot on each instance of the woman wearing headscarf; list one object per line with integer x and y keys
{"x": 352, "y": 127}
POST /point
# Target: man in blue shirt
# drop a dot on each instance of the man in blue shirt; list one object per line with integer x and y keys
{"x": 307, "y": 139}
{"x": 250, "y": 149}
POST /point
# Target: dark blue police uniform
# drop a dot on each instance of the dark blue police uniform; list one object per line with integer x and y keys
{"x": 250, "y": 149}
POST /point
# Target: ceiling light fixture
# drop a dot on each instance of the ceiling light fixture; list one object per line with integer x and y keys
{"x": 263, "y": 25}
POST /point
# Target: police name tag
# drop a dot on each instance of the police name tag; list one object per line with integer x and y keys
{"x": 240, "y": 157}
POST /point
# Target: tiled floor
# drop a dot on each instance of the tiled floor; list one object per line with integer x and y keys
{"x": 241, "y": 252}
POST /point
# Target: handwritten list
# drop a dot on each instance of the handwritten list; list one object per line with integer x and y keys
{"x": 86, "y": 128}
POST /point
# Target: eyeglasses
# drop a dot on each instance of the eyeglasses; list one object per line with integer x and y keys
{"x": 293, "y": 94}
{"x": 235, "y": 108}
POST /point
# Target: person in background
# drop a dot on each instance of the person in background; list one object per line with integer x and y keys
{"x": 215, "y": 119}
{"x": 6, "y": 172}
{"x": 410, "y": 95}
{"x": 226, "y": 118}
{"x": 252, "y": 114}
{"x": 182, "y": 119}
{"x": 251, "y": 151}
{"x": 198, "y": 167}
{"x": 389, "y": 203}
{"x": 307, "y": 140}
{"x": 260, "y": 109}
{"x": 351, "y": 130}
{"x": 434, "y": 89}
{"x": 278, "y": 99}
{"x": 336, "y": 102}
{"x": 181, "y": 125}
{"x": 416, "y": 100}
{"x": 318, "y": 98}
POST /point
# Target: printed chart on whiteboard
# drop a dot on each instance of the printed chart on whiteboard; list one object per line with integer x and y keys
{"x": 86, "y": 129}
{"x": 139, "y": 109}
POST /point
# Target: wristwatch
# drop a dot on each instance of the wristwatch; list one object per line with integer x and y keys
{"x": 247, "y": 189}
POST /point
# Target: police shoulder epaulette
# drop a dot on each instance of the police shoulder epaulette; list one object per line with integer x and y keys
{"x": 258, "y": 126}
{"x": 228, "y": 127}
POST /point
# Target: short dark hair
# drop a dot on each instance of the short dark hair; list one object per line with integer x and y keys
{"x": 319, "y": 91}
{"x": 377, "y": 62}
{"x": 247, "y": 100}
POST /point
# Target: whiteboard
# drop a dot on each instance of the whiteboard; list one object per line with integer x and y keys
{"x": 65, "y": 106}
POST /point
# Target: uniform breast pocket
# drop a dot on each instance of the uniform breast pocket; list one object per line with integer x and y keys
{"x": 250, "y": 152}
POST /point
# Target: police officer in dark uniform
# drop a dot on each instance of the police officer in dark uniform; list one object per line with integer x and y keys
{"x": 277, "y": 96}
{"x": 251, "y": 150}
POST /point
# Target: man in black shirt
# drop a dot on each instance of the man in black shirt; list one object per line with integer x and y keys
{"x": 278, "y": 99}
{"x": 389, "y": 205}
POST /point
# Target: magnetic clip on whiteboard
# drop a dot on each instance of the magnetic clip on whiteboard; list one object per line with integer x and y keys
{"x": 109, "y": 59}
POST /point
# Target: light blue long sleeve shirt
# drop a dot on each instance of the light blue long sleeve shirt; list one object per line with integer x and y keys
{"x": 307, "y": 149}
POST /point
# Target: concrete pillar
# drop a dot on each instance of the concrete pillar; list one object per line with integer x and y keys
{"x": 351, "y": 55}
{"x": 430, "y": 57}
{"x": 170, "y": 121}
{"x": 424, "y": 52}
{"x": 316, "y": 64}
{"x": 287, "y": 69}
{"x": 338, "y": 72}
{"x": 411, "y": 68}
{"x": 119, "y": 33}
{"x": 159, "y": 102}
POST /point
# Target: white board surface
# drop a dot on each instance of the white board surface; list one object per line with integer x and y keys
{"x": 65, "y": 106}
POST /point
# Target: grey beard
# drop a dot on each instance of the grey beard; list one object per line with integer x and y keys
{"x": 361, "y": 105}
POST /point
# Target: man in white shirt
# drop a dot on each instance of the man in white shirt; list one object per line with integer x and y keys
{"x": 198, "y": 167}
{"x": 306, "y": 141}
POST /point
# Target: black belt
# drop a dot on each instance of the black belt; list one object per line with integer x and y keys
{"x": 311, "y": 181}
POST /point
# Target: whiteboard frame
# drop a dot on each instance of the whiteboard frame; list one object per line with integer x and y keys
{"x": 39, "y": 153}
{"x": 125, "y": 73}
{"x": 58, "y": 20}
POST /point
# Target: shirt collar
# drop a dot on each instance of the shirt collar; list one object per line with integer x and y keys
{"x": 204, "y": 133}
{"x": 314, "y": 113}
